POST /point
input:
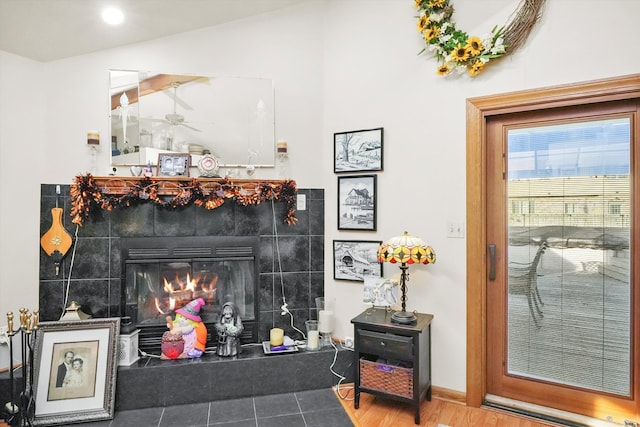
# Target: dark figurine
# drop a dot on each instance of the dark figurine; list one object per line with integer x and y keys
{"x": 229, "y": 329}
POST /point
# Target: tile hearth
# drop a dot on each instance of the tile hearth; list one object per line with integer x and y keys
{"x": 153, "y": 382}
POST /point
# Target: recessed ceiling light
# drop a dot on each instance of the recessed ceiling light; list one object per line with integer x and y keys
{"x": 112, "y": 16}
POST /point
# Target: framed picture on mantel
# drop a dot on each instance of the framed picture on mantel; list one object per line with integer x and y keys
{"x": 173, "y": 164}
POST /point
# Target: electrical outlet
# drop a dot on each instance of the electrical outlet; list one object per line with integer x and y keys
{"x": 301, "y": 200}
{"x": 348, "y": 342}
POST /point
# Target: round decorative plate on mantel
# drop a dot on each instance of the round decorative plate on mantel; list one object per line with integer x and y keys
{"x": 208, "y": 166}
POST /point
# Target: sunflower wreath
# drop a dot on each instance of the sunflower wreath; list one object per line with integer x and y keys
{"x": 459, "y": 52}
{"x": 88, "y": 197}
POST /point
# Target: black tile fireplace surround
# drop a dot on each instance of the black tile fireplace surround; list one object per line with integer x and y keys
{"x": 97, "y": 271}
{"x": 96, "y": 285}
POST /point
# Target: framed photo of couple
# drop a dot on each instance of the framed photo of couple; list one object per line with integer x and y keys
{"x": 75, "y": 367}
{"x": 173, "y": 164}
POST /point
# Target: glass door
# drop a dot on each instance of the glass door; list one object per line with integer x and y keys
{"x": 559, "y": 301}
{"x": 569, "y": 193}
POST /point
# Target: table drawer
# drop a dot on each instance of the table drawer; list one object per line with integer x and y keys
{"x": 386, "y": 345}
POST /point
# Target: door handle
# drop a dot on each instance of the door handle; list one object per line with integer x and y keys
{"x": 492, "y": 261}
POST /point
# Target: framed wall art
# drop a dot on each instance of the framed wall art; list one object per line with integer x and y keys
{"x": 356, "y": 259}
{"x": 173, "y": 164}
{"x": 358, "y": 151}
{"x": 357, "y": 202}
{"x": 75, "y": 367}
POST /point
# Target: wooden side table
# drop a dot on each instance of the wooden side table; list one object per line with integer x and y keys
{"x": 394, "y": 360}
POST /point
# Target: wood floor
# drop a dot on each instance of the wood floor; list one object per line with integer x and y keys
{"x": 379, "y": 412}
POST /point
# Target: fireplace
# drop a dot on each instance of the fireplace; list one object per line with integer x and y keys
{"x": 162, "y": 274}
{"x": 95, "y": 277}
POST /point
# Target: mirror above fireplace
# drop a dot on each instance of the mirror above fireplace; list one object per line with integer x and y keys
{"x": 231, "y": 118}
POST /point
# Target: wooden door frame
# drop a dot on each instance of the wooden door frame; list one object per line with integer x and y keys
{"x": 478, "y": 111}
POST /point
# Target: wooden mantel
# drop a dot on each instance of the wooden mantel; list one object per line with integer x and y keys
{"x": 89, "y": 193}
{"x": 170, "y": 186}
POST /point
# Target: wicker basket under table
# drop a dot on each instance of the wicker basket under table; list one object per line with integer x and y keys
{"x": 390, "y": 379}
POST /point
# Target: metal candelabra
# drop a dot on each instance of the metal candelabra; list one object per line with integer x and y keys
{"x": 21, "y": 408}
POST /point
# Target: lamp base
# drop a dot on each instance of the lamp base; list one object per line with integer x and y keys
{"x": 404, "y": 318}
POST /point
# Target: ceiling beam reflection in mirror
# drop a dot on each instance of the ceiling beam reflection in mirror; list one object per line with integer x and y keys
{"x": 231, "y": 118}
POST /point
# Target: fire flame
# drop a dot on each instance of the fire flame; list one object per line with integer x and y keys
{"x": 179, "y": 292}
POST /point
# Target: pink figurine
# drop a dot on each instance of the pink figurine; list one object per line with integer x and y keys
{"x": 188, "y": 327}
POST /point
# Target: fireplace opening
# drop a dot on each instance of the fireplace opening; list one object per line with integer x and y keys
{"x": 162, "y": 274}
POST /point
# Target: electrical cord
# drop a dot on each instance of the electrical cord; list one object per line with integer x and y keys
{"x": 284, "y": 307}
{"x": 145, "y": 354}
{"x": 341, "y": 378}
{"x": 73, "y": 257}
{"x": 208, "y": 350}
{"x": 252, "y": 344}
{"x": 304, "y": 337}
{"x": 349, "y": 389}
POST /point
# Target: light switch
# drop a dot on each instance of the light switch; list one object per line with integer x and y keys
{"x": 455, "y": 229}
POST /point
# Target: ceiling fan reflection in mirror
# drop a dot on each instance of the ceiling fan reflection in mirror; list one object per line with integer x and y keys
{"x": 175, "y": 119}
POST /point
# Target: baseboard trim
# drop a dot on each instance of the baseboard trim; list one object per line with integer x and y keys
{"x": 449, "y": 395}
{"x": 543, "y": 413}
{"x": 441, "y": 393}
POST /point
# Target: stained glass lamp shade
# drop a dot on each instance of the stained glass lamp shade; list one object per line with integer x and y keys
{"x": 405, "y": 249}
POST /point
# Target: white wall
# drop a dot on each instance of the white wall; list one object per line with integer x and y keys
{"x": 22, "y": 136}
{"x": 374, "y": 78}
{"x": 338, "y": 65}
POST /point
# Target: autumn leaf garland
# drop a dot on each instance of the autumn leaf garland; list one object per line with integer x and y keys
{"x": 87, "y": 196}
